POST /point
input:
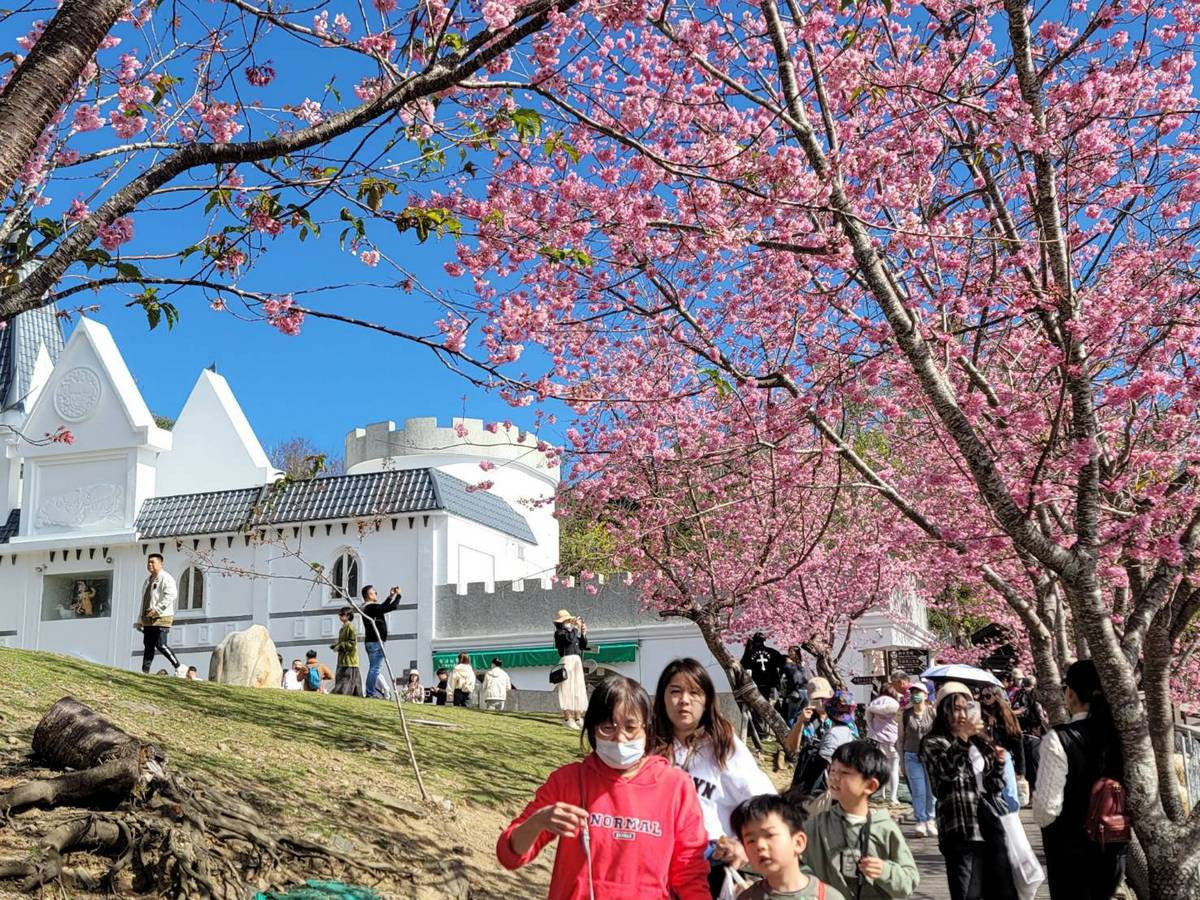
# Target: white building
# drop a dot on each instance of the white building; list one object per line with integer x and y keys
{"x": 77, "y": 521}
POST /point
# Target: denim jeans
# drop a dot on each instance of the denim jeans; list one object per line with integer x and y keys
{"x": 1010, "y": 794}
{"x": 375, "y": 655}
{"x": 918, "y": 786}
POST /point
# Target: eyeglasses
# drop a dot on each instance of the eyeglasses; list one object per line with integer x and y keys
{"x": 612, "y": 732}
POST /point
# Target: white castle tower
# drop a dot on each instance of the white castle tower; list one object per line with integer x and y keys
{"x": 513, "y": 468}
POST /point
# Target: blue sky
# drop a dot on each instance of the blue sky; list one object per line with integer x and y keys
{"x": 332, "y": 377}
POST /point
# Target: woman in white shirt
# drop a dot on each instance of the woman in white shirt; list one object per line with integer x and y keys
{"x": 692, "y": 733}
{"x": 462, "y": 680}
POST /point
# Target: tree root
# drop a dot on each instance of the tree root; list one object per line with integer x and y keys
{"x": 164, "y": 832}
{"x": 113, "y": 779}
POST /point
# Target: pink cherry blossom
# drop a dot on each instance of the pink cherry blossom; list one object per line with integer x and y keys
{"x": 116, "y": 233}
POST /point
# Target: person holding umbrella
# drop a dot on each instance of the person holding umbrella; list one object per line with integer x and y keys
{"x": 966, "y": 772}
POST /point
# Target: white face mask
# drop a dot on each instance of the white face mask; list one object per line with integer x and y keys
{"x": 621, "y": 754}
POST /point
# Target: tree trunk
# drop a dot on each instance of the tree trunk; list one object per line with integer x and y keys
{"x": 823, "y": 660}
{"x": 744, "y": 688}
{"x": 44, "y": 82}
{"x": 107, "y": 763}
{"x": 1172, "y": 860}
{"x": 72, "y": 736}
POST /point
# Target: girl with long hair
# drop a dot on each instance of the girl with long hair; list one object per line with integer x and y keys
{"x": 1002, "y": 728}
{"x": 692, "y": 733}
{"x": 628, "y": 823}
{"x": 966, "y": 771}
{"x": 1073, "y": 757}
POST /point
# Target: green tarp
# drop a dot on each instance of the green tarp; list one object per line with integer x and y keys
{"x": 321, "y": 890}
{"x": 532, "y": 657}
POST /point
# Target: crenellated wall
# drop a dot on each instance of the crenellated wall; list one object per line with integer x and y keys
{"x": 418, "y": 436}
{"x": 528, "y": 607}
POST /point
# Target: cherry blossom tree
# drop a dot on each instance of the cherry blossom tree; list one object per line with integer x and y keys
{"x": 224, "y": 129}
{"x": 969, "y": 229}
{"x": 737, "y": 519}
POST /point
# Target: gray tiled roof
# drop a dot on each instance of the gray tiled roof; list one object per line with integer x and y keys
{"x": 398, "y": 492}
{"x": 483, "y": 507}
{"x": 19, "y": 343}
{"x": 9, "y": 528}
{"x": 211, "y": 513}
{"x": 349, "y": 497}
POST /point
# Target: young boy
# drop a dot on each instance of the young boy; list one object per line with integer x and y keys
{"x": 772, "y": 834}
{"x": 851, "y": 844}
{"x": 443, "y": 684}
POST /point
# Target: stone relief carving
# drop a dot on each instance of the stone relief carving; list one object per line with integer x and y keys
{"x": 92, "y": 504}
{"x": 78, "y": 394}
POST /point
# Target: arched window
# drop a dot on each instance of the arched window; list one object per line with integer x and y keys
{"x": 344, "y": 575}
{"x": 191, "y": 589}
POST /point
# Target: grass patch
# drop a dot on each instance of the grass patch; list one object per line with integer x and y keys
{"x": 309, "y": 755}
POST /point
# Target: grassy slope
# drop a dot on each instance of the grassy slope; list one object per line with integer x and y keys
{"x": 309, "y": 755}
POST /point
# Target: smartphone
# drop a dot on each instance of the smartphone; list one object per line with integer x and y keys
{"x": 974, "y": 712}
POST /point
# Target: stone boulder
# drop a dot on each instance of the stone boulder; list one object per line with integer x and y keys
{"x": 248, "y": 658}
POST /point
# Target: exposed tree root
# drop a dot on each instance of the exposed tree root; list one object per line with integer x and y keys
{"x": 164, "y": 832}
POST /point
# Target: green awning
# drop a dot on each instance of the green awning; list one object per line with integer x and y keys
{"x": 532, "y": 657}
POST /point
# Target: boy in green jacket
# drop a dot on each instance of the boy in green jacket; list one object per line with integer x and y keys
{"x": 347, "y": 681}
{"x": 852, "y": 846}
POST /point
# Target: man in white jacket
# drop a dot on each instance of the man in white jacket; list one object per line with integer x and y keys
{"x": 158, "y": 613}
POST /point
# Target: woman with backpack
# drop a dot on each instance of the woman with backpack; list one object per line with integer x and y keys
{"x": 1079, "y": 801}
{"x": 691, "y": 732}
{"x": 966, "y": 772}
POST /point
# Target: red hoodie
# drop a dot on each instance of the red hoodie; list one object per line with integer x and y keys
{"x": 647, "y": 833}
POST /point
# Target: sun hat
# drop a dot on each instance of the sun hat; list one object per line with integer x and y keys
{"x": 561, "y": 616}
{"x": 946, "y": 688}
{"x": 819, "y": 689}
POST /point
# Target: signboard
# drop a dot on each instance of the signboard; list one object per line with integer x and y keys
{"x": 865, "y": 679}
{"x": 912, "y": 660}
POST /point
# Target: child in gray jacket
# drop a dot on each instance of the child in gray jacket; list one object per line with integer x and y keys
{"x": 851, "y": 846}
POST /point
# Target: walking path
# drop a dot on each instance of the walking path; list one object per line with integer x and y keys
{"x": 933, "y": 870}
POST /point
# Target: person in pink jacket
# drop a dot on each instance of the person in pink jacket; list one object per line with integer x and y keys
{"x": 628, "y": 823}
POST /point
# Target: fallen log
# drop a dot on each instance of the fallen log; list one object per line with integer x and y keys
{"x": 73, "y": 736}
{"x": 170, "y": 834}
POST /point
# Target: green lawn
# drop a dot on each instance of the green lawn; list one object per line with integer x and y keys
{"x": 313, "y": 756}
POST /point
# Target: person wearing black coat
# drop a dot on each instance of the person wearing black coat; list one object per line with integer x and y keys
{"x": 376, "y": 632}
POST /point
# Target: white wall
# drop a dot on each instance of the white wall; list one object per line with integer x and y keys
{"x": 213, "y": 446}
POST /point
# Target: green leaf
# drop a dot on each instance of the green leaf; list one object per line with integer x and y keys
{"x": 718, "y": 381}
{"x": 527, "y": 122}
{"x": 128, "y": 270}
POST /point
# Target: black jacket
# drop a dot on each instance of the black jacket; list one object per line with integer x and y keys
{"x": 568, "y": 641}
{"x": 375, "y": 619}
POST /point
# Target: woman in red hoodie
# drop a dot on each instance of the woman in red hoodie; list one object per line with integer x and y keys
{"x": 629, "y": 823}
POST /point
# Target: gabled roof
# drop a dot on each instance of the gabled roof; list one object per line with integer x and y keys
{"x": 398, "y": 492}
{"x": 19, "y": 343}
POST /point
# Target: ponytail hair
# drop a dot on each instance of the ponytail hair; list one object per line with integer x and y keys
{"x": 1084, "y": 680}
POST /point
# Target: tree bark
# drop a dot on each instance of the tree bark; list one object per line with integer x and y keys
{"x": 744, "y": 688}
{"x": 72, "y": 736}
{"x": 824, "y": 662}
{"x": 44, "y": 82}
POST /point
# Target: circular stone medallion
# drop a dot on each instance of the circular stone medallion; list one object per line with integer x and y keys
{"x": 77, "y": 395}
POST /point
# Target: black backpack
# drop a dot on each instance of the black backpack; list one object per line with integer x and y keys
{"x": 808, "y": 779}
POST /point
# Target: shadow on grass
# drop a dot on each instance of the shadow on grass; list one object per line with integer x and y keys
{"x": 496, "y": 759}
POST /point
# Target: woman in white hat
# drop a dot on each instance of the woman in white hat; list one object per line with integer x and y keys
{"x": 570, "y": 639}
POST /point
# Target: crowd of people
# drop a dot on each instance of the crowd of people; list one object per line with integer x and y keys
{"x": 671, "y": 802}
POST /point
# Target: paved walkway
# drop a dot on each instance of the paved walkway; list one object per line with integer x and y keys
{"x": 933, "y": 870}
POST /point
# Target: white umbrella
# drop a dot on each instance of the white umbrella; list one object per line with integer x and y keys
{"x": 960, "y": 672}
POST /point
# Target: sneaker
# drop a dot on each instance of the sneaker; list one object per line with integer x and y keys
{"x": 922, "y": 829}
{"x": 181, "y": 671}
{"x": 933, "y": 832}
{"x": 573, "y": 724}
